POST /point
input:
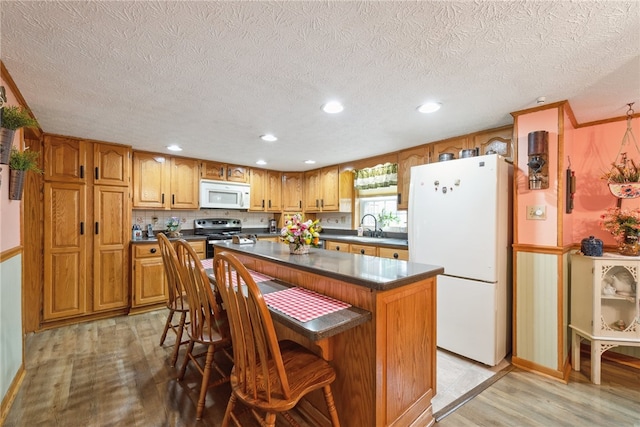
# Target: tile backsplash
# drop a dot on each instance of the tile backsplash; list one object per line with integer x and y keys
{"x": 157, "y": 219}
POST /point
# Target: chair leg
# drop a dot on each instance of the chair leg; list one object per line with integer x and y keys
{"x": 228, "y": 413}
{"x": 205, "y": 381}
{"x": 167, "y": 325}
{"x": 187, "y": 357}
{"x": 333, "y": 413}
{"x": 174, "y": 357}
{"x": 270, "y": 419}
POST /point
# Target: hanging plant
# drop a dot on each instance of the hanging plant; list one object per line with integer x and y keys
{"x": 624, "y": 177}
{"x": 20, "y": 162}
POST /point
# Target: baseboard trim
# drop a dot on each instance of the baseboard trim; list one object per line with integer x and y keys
{"x": 11, "y": 394}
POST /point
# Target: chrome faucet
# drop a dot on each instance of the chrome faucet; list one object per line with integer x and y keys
{"x": 374, "y": 233}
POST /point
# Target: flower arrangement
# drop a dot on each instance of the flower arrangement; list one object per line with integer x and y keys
{"x": 626, "y": 171}
{"x": 300, "y": 232}
{"x": 173, "y": 223}
{"x": 621, "y": 223}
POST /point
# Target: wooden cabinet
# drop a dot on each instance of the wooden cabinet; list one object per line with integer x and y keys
{"x": 185, "y": 183}
{"x": 402, "y": 254}
{"x": 337, "y": 246}
{"x": 161, "y": 182}
{"x": 86, "y": 228}
{"x": 65, "y": 288}
{"x": 495, "y": 141}
{"x": 112, "y": 165}
{"x": 111, "y": 237}
{"x": 605, "y": 306}
{"x": 266, "y": 190}
{"x": 148, "y": 278}
{"x": 224, "y": 172}
{"x": 328, "y": 190}
{"x": 453, "y": 145}
{"x": 292, "y": 191}
{"x": 65, "y": 159}
{"x": 363, "y": 249}
{"x": 407, "y": 159}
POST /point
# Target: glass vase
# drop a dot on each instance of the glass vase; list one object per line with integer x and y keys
{"x": 629, "y": 246}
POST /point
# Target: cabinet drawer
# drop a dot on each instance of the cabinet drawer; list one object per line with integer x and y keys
{"x": 393, "y": 253}
{"x": 364, "y": 250}
{"x": 337, "y": 246}
{"x": 199, "y": 247}
{"x": 146, "y": 250}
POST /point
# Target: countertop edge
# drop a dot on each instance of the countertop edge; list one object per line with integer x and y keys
{"x": 375, "y": 285}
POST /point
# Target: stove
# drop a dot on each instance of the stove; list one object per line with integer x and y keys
{"x": 216, "y": 229}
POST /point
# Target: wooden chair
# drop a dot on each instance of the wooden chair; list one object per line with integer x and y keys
{"x": 177, "y": 301}
{"x": 268, "y": 376}
{"x": 208, "y": 323}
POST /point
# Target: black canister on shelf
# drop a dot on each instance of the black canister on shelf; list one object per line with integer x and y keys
{"x": 591, "y": 246}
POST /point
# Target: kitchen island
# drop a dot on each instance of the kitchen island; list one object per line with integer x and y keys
{"x": 386, "y": 367}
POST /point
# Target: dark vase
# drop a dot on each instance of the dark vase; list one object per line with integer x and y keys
{"x": 591, "y": 246}
{"x": 630, "y": 245}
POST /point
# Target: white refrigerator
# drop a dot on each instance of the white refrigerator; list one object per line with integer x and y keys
{"x": 460, "y": 218}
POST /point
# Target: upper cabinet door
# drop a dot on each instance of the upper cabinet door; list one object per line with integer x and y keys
{"x": 497, "y": 141}
{"x": 312, "y": 191}
{"x": 185, "y": 183}
{"x": 292, "y": 183}
{"x": 149, "y": 180}
{"x": 330, "y": 183}
{"x": 213, "y": 170}
{"x": 258, "y": 180}
{"x": 453, "y": 146}
{"x": 65, "y": 159}
{"x": 274, "y": 191}
{"x": 407, "y": 159}
{"x": 112, "y": 164}
{"x": 237, "y": 173}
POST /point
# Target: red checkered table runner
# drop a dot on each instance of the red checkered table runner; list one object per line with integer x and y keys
{"x": 303, "y": 304}
{"x": 257, "y": 277}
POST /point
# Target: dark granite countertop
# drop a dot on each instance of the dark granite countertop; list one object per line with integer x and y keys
{"x": 185, "y": 236}
{"x": 389, "y": 242}
{"x": 362, "y": 270}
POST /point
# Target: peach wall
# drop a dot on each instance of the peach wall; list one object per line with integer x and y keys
{"x": 9, "y": 209}
{"x": 596, "y": 147}
{"x": 537, "y": 232}
{"x": 568, "y": 159}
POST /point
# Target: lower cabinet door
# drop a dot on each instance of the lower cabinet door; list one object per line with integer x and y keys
{"x": 149, "y": 280}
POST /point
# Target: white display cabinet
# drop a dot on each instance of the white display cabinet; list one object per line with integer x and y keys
{"x": 605, "y": 308}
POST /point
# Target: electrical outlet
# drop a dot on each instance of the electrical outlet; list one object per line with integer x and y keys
{"x": 537, "y": 212}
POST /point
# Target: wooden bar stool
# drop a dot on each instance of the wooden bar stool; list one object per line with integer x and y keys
{"x": 268, "y": 376}
{"x": 177, "y": 301}
{"x": 208, "y": 322}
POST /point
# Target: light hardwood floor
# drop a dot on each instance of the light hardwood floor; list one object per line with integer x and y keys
{"x": 113, "y": 373}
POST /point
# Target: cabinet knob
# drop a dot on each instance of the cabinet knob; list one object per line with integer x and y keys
{"x": 337, "y": 248}
{"x": 362, "y": 251}
{"x": 153, "y": 250}
{"x": 395, "y": 255}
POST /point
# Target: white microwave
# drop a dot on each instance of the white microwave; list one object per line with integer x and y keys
{"x": 224, "y": 195}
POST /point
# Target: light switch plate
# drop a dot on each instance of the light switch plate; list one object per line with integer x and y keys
{"x": 537, "y": 212}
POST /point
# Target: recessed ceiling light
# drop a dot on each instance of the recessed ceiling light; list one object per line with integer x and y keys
{"x": 429, "y": 107}
{"x": 268, "y": 137}
{"x": 541, "y": 100}
{"x": 332, "y": 107}
{"x": 310, "y": 162}
{"x": 174, "y": 147}
{"x": 261, "y": 162}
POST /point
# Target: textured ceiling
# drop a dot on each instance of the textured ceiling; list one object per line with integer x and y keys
{"x": 213, "y": 76}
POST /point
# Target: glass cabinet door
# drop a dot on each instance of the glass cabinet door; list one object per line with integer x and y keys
{"x": 618, "y": 296}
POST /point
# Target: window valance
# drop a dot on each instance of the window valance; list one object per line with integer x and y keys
{"x": 376, "y": 177}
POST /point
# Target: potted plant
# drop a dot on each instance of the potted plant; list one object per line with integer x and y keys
{"x": 13, "y": 118}
{"x": 624, "y": 178}
{"x": 19, "y": 163}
